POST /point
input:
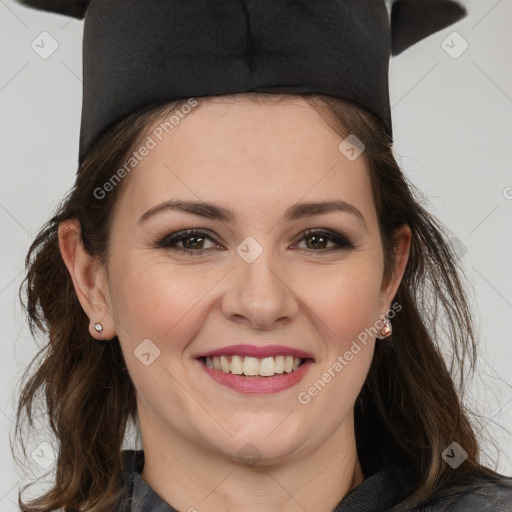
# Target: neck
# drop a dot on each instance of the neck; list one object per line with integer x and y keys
{"x": 193, "y": 478}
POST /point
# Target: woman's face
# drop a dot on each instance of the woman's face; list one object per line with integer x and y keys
{"x": 256, "y": 279}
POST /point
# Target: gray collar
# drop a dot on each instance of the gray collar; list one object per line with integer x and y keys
{"x": 381, "y": 491}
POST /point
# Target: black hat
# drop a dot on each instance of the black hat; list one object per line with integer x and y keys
{"x": 142, "y": 52}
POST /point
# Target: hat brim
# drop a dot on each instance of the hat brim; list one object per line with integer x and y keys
{"x": 73, "y": 8}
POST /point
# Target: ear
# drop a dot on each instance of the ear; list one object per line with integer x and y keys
{"x": 89, "y": 279}
{"x": 402, "y": 237}
{"x": 414, "y": 20}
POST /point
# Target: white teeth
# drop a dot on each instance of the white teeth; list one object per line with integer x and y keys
{"x": 279, "y": 364}
{"x": 237, "y": 365}
{"x": 224, "y": 364}
{"x": 267, "y": 367}
{"x": 253, "y": 366}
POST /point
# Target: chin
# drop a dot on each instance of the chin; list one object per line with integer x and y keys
{"x": 260, "y": 448}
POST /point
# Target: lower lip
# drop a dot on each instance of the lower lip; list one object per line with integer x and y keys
{"x": 253, "y": 385}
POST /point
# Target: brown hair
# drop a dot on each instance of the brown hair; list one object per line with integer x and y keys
{"x": 409, "y": 409}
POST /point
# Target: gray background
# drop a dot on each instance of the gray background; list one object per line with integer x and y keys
{"x": 453, "y": 132}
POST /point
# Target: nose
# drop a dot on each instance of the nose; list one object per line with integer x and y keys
{"x": 259, "y": 294}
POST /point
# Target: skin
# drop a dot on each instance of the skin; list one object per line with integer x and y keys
{"x": 257, "y": 160}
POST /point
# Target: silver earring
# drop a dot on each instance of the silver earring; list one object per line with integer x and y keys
{"x": 386, "y": 330}
{"x": 98, "y": 327}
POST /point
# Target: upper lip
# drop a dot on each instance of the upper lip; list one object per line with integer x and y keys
{"x": 257, "y": 351}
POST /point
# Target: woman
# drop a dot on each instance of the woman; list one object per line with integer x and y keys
{"x": 248, "y": 277}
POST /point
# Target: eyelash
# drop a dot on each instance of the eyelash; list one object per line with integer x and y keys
{"x": 170, "y": 241}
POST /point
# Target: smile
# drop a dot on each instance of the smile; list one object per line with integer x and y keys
{"x": 252, "y": 369}
{"x": 252, "y": 366}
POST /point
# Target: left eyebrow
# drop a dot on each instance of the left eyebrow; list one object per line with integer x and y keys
{"x": 227, "y": 215}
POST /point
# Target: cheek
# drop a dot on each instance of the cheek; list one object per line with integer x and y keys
{"x": 346, "y": 309}
{"x": 346, "y": 301}
{"x": 151, "y": 301}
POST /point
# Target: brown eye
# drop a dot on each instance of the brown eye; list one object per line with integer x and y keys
{"x": 192, "y": 242}
{"x": 318, "y": 240}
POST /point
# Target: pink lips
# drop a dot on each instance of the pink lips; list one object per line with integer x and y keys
{"x": 259, "y": 352}
{"x": 255, "y": 384}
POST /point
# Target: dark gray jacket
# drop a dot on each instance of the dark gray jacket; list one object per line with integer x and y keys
{"x": 383, "y": 491}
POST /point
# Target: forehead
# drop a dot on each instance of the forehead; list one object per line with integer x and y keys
{"x": 262, "y": 152}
